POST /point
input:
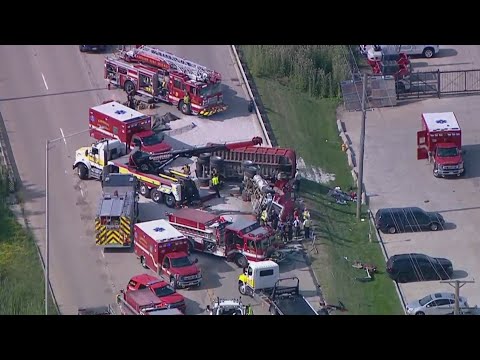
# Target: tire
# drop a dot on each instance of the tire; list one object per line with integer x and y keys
{"x": 392, "y": 230}
{"x": 250, "y": 172}
{"x": 82, "y": 49}
{"x": 428, "y": 53}
{"x": 242, "y": 289}
{"x": 144, "y": 168}
{"x": 216, "y": 162}
{"x": 402, "y": 278}
{"x": 434, "y": 226}
{"x": 129, "y": 87}
{"x": 156, "y": 196}
{"x": 144, "y": 191}
{"x": 184, "y": 108}
{"x": 173, "y": 283}
{"x": 82, "y": 171}
{"x": 400, "y": 87}
{"x": 204, "y": 159}
{"x": 241, "y": 261}
{"x": 191, "y": 248}
{"x": 419, "y": 313}
{"x": 169, "y": 200}
{"x": 143, "y": 262}
{"x": 246, "y": 164}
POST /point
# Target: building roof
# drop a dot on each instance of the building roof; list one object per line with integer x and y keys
{"x": 160, "y": 230}
{"x": 118, "y": 111}
{"x": 441, "y": 121}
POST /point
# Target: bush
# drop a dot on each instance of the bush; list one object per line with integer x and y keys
{"x": 314, "y": 69}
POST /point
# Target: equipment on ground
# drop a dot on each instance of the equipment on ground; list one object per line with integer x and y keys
{"x": 228, "y": 307}
{"x": 440, "y": 141}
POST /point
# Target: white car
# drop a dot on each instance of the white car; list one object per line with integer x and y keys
{"x": 437, "y": 304}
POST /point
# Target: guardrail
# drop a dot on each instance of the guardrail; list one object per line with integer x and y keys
{"x": 248, "y": 81}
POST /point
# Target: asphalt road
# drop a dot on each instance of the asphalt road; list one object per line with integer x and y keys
{"x": 394, "y": 178}
{"x": 46, "y": 91}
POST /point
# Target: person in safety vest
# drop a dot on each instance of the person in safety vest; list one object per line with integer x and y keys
{"x": 306, "y": 228}
{"x": 186, "y": 99}
{"x": 216, "y": 183}
{"x": 249, "y": 310}
{"x": 306, "y": 214}
{"x": 264, "y": 217}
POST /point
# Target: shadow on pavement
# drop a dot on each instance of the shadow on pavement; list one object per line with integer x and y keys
{"x": 51, "y": 94}
{"x": 459, "y": 274}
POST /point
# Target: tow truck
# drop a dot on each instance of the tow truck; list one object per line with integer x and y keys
{"x": 263, "y": 279}
{"x": 169, "y": 186}
{"x": 163, "y": 249}
{"x": 440, "y": 140}
{"x": 164, "y": 77}
{"x": 112, "y": 120}
{"x": 241, "y": 241}
{"x": 117, "y": 211}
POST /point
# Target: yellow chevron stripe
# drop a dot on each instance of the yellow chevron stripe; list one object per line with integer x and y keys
{"x": 125, "y": 225}
{"x": 114, "y": 237}
{"x": 98, "y": 225}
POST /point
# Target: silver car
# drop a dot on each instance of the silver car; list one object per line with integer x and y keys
{"x": 437, "y": 304}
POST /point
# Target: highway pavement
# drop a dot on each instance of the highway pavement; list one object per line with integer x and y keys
{"x": 395, "y": 178}
{"x": 46, "y": 92}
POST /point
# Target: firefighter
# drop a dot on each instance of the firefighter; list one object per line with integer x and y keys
{"x": 216, "y": 183}
{"x": 249, "y": 310}
{"x": 306, "y": 228}
{"x": 296, "y": 227}
{"x": 186, "y": 169}
{"x": 264, "y": 217}
{"x": 306, "y": 214}
{"x": 186, "y": 100}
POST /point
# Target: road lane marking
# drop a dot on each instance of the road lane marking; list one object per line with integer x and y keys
{"x": 81, "y": 191}
{"x": 63, "y": 136}
{"x": 44, "y": 81}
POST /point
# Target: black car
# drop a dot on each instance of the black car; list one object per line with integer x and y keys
{"x": 393, "y": 220}
{"x": 92, "y": 48}
{"x": 404, "y": 268}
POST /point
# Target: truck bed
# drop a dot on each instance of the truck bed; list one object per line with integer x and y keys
{"x": 294, "y": 305}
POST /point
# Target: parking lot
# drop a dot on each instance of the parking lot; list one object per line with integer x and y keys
{"x": 395, "y": 178}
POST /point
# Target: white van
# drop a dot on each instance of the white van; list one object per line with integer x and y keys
{"x": 427, "y": 51}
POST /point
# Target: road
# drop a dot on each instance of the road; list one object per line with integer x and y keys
{"x": 394, "y": 178}
{"x": 47, "y": 91}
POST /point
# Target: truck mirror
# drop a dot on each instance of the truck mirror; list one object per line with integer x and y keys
{"x": 94, "y": 151}
{"x": 196, "y": 260}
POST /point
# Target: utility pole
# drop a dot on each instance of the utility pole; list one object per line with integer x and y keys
{"x": 457, "y": 284}
{"x": 362, "y": 149}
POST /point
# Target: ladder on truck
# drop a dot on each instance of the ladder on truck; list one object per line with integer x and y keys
{"x": 195, "y": 71}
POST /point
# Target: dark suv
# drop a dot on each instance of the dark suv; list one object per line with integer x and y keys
{"x": 404, "y": 268}
{"x": 392, "y": 220}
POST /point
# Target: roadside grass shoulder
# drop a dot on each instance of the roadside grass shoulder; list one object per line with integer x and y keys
{"x": 309, "y": 125}
{"x": 21, "y": 273}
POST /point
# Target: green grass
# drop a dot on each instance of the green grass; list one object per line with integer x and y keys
{"x": 309, "y": 126}
{"x": 21, "y": 273}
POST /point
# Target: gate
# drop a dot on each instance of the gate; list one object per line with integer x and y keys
{"x": 380, "y": 92}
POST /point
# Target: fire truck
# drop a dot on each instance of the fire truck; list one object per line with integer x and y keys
{"x": 117, "y": 212}
{"x": 169, "y": 186}
{"x": 112, "y": 120}
{"x": 241, "y": 241}
{"x": 165, "y": 77}
{"x": 163, "y": 249}
{"x": 267, "y": 161}
{"x": 440, "y": 140}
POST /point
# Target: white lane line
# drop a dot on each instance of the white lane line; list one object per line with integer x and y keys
{"x": 103, "y": 254}
{"x": 81, "y": 192}
{"x": 63, "y": 136}
{"x": 44, "y": 81}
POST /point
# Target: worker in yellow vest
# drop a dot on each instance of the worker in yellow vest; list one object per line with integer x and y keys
{"x": 264, "y": 217}
{"x": 216, "y": 184}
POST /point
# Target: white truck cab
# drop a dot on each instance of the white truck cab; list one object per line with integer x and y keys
{"x": 261, "y": 275}
{"x": 90, "y": 161}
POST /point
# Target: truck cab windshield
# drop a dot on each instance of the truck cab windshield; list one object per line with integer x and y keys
{"x": 153, "y": 139}
{"x": 447, "y": 152}
{"x": 210, "y": 90}
{"x": 181, "y": 262}
{"x": 164, "y": 291}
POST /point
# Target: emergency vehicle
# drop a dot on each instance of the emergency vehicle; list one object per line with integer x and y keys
{"x": 169, "y": 186}
{"x": 441, "y": 140}
{"x": 241, "y": 241}
{"x": 143, "y": 302}
{"x": 112, "y": 120}
{"x": 165, "y": 77}
{"x": 164, "y": 250}
{"x": 117, "y": 212}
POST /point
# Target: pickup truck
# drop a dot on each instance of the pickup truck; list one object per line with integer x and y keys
{"x": 287, "y": 300}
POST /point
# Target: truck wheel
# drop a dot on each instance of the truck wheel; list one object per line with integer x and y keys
{"x": 173, "y": 283}
{"x": 242, "y": 288}
{"x": 144, "y": 191}
{"x": 169, "y": 200}
{"x": 129, "y": 87}
{"x": 82, "y": 171}
{"x": 144, "y": 168}
{"x": 435, "y": 174}
{"x": 217, "y": 162}
{"x": 428, "y": 53}
{"x": 250, "y": 172}
{"x": 204, "y": 159}
{"x": 241, "y": 261}
{"x": 156, "y": 196}
{"x": 143, "y": 262}
{"x": 184, "y": 108}
{"x": 247, "y": 163}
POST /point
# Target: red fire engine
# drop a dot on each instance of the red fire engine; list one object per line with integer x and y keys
{"x": 240, "y": 241}
{"x": 168, "y": 78}
{"x": 112, "y": 120}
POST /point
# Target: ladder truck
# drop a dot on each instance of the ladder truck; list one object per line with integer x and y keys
{"x": 164, "y": 77}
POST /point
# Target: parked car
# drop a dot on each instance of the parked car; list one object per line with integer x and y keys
{"x": 393, "y": 220}
{"x": 437, "y": 304}
{"x": 160, "y": 288}
{"x": 412, "y": 267}
{"x": 92, "y": 48}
